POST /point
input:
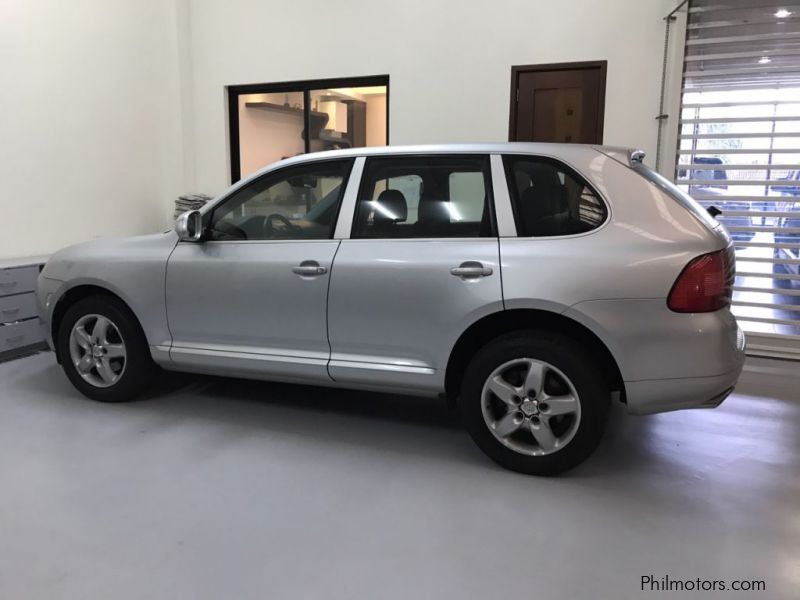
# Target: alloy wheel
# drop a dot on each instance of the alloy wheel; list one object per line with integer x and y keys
{"x": 530, "y": 406}
{"x": 97, "y": 350}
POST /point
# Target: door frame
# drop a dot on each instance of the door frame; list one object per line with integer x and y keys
{"x": 516, "y": 70}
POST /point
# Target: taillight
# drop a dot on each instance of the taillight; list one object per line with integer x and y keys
{"x": 705, "y": 284}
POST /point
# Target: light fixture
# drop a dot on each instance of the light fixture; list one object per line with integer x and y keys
{"x": 764, "y": 60}
{"x": 782, "y": 13}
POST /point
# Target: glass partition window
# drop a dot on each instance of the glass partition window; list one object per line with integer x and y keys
{"x": 296, "y": 203}
{"x": 348, "y": 118}
{"x": 271, "y": 128}
{"x": 269, "y": 122}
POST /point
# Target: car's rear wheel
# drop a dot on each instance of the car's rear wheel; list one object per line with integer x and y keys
{"x": 535, "y": 402}
{"x": 103, "y": 350}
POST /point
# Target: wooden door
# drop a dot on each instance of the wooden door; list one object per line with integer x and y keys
{"x": 558, "y": 103}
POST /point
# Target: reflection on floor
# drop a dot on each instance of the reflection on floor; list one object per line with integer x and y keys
{"x": 229, "y": 489}
{"x": 788, "y": 294}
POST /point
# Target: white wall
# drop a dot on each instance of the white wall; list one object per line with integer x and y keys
{"x": 449, "y": 61}
{"x": 90, "y": 122}
{"x": 112, "y": 108}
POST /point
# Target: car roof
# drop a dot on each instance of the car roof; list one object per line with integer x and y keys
{"x": 486, "y": 148}
{"x": 621, "y": 154}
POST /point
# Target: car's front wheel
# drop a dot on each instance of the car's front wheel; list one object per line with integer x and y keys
{"x": 535, "y": 402}
{"x": 103, "y": 350}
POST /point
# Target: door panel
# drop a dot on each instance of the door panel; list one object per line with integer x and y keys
{"x": 239, "y": 307}
{"x": 558, "y": 103}
{"x": 424, "y": 265}
{"x": 251, "y": 299}
{"x": 395, "y": 310}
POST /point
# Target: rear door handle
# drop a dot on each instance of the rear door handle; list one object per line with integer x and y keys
{"x": 309, "y": 268}
{"x": 471, "y": 269}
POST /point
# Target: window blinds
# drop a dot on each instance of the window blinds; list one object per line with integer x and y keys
{"x": 739, "y": 150}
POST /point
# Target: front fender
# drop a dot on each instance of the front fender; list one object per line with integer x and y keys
{"x": 134, "y": 269}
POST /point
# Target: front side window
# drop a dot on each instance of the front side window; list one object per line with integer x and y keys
{"x": 424, "y": 197}
{"x": 550, "y": 199}
{"x": 296, "y": 203}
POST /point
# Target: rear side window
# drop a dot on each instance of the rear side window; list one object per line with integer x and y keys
{"x": 550, "y": 199}
{"x": 424, "y": 197}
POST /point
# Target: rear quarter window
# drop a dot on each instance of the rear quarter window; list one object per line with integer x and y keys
{"x": 550, "y": 199}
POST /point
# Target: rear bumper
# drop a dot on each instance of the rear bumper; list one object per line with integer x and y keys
{"x": 668, "y": 361}
{"x": 662, "y": 395}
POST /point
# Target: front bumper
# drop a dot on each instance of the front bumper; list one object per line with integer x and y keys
{"x": 46, "y": 297}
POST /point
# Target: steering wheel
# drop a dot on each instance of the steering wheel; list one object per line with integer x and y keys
{"x": 269, "y": 227}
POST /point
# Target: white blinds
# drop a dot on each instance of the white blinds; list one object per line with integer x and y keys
{"x": 739, "y": 150}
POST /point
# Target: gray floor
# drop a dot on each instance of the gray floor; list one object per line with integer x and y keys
{"x": 229, "y": 489}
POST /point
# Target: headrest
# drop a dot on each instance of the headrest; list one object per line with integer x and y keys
{"x": 523, "y": 180}
{"x": 545, "y": 199}
{"x": 432, "y": 211}
{"x": 390, "y": 207}
{"x": 544, "y": 208}
{"x": 542, "y": 174}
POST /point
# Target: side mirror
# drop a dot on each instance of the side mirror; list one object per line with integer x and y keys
{"x": 189, "y": 226}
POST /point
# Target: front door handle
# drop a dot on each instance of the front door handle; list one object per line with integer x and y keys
{"x": 309, "y": 268}
{"x": 471, "y": 269}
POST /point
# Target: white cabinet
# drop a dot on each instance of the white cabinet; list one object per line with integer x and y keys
{"x": 20, "y": 329}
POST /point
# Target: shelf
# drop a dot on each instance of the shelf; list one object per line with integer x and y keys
{"x": 285, "y": 109}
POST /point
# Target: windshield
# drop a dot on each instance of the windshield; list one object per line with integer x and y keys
{"x": 674, "y": 192}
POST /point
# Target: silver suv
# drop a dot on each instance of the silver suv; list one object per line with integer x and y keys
{"x": 532, "y": 283}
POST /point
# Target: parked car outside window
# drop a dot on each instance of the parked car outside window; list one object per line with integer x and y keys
{"x": 787, "y": 237}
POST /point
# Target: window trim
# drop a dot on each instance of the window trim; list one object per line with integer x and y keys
{"x": 306, "y": 87}
{"x": 487, "y": 173}
{"x": 569, "y": 169}
{"x": 209, "y": 215}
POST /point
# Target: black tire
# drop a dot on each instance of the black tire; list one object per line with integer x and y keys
{"x": 139, "y": 366}
{"x": 565, "y": 355}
